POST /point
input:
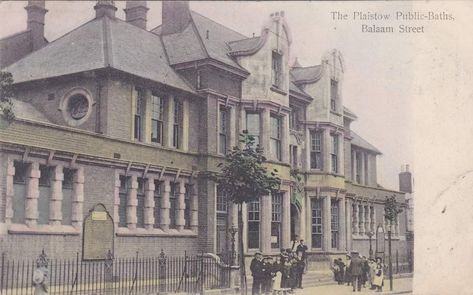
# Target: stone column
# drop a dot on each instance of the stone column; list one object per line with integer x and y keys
{"x": 55, "y": 208}
{"x": 308, "y": 222}
{"x": 78, "y": 198}
{"x": 302, "y": 231}
{"x": 326, "y": 146}
{"x": 181, "y": 205}
{"x": 32, "y": 195}
{"x": 348, "y": 226}
{"x": 245, "y": 227}
{"x": 361, "y": 212}
{"x": 194, "y": 223}
{"x": 10, "y": 192}
{"x": 165, "y": 204}
{"x": 185, "y": 125}
{"x": 327, "y": 226}
{"x": 353, "y": 158}
{"x": 356, "y": 228}
{"x": 363, "y": 176}
{"x": 265, "y": 132}
{"x": 307, "y": 144}
{"x": 286, "y": 220}
{"x": 149, "y": 203}
{"x": 131, "y": 218}
{"x": 342, "y": 232}
{"x": 169, "y": 121}
{"x": 242, "y": 126}
{"x": 232, "y": 132}
{"x": 285, "y": 139}
{"x": 341, "y": 154}
{"x": 265, "y": 224}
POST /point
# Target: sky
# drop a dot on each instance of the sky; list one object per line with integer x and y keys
{"x": 378, "y": 79}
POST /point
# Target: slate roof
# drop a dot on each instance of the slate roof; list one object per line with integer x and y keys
{"x": 15, "y": 46}
{"x": 306, "y": 74}
{"x": 192, "y": 44}
{"x": 101, "y": 43}
{"x": 244, "y": 44}
{"x": 362, "y": 143}
{"x": 24, "y": 110}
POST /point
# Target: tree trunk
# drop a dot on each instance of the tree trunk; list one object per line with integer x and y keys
{"x": 243, "y": 284}
{"x": 390, "y": 261}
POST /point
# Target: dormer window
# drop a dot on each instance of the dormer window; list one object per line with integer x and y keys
{"x": 277, "y": 69}
{"x": 157, "y": 119}
{"x": 139, "y": 114}
{"x": 333, "y": 95}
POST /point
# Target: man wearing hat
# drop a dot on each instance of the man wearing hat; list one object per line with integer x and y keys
{"x": 256, "y": 268}
{"x": 356, "y": 268}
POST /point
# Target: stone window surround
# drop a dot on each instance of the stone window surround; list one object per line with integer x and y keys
{"x": 327, "y": 132}
{"x": 64, "y": 103}
{"x": 265, "y": 224}
{"x": 32, "y": 187}
{"x": 168, "y": 122}
{"x": 365, "y": 171}
{"x": 327, "y": 198}
{"x": 231, "y": 113}
{"x": 149, "y": 188}
{"x": 266, "y": 109}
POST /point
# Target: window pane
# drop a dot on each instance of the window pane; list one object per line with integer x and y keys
{"x": 44, "y": 194}
{"x": 187, "y": 202}
{"x": 253, "y": 224}
{"x": 253, "y": 124}
{"x": 140, "y": 196}
{"x": 317, "y": 223}
{"x": 172, "y": 204}
{"x": 157, "y": 202}
{"x": 67, "y": 194}
{"x": 19, "y": 191}
{"x": 221, "y": 201}
{"x": 123, "y": 195}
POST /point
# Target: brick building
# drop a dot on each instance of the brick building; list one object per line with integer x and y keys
{"x": 135, "y": 119}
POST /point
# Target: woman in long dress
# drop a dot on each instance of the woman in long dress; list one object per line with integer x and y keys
{"x": 378, "y": 280}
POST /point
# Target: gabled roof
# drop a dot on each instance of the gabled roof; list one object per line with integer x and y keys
{"x": 219, "y": 36}
{"x": 101, "y": 43}
{"x": 192, "y": 44}
{"x": 24, "y": 110}
{"x": 302, "y": 75}
{"x": 362, "y": 143}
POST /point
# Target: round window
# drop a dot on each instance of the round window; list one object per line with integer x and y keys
{"x": 78, "y": 106}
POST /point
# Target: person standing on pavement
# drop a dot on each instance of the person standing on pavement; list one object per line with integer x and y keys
{"x": 356, "y": 269}
{"x": 378, "y": 280}
{"x": 348, "y": 270}
{"x": 256, "y": 268}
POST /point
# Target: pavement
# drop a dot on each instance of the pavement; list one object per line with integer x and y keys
{"x": 400, "y": 286}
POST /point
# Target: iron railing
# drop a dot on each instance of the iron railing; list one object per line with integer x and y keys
{"x": 135, "y": 275}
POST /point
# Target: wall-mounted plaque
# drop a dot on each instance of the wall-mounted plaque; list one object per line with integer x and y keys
{"x": 98, "y": 235}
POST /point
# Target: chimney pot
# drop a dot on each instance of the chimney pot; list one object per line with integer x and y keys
{"x": 36, "y": 13}
{"x": 176, "y": 16}
{"x": 136, "y": 13}
{"x": 105, "y": 7}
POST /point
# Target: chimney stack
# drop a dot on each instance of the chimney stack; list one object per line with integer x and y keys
{"x": 176, "y": 16}
{"x": 136, "y": 13}
{"x": 105, "y": 7}
{"x": 36, "y": 13}
{"x": 405, "y": 180}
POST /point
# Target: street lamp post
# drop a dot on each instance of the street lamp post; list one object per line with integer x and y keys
{"x": 233, "y": 230}
{"x": 370, "y": 235}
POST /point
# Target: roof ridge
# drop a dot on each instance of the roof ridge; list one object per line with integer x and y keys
{"x": 244, "y": 39}
{"x": 307, "y": 67}
{"x": 52, "y": 42}
{"x": 235, "y": 31}
{"x": 199, "y": 37}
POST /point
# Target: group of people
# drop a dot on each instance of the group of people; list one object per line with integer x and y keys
{"x": 281, "y": 274}
{"x": 358, "y": 271}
